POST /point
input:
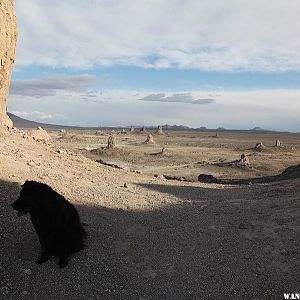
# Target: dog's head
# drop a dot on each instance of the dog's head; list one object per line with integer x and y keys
{"x": 26, "y": 200}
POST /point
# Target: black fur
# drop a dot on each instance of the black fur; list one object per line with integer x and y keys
{"x": 55, "y": 220}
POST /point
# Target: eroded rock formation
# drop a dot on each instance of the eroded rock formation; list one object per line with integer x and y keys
{"x": 111, "y": 143}
{"x": 159, "y": 130}
{"x": 149, "y": 139}
{"x": 8, "y": 39}
{"x": 259, "y": 146}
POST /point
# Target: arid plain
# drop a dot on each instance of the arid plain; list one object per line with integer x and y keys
{"x": 186, "y": 154}
{"x": 150, "y": 237}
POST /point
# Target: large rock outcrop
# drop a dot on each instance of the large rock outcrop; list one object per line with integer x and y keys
{"x": 8, "y": 39}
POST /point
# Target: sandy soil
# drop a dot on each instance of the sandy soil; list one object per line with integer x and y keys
{"x": 189, "y": 153}
{"x": 154, "y": 239}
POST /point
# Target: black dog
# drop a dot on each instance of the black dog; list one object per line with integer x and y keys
{"x": 55, "y": 220}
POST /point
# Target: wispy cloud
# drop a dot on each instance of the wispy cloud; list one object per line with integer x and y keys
{"x": 48, "y": 86}
{"x": 180, "y": 98}
{"x": 208, "y": 35}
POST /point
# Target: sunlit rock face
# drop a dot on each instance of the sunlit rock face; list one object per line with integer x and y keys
{"x": 8, "y": 39}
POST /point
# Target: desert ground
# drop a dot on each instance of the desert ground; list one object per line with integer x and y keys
{"x": 150, "y": 237}
{"x": 188, "y": 153}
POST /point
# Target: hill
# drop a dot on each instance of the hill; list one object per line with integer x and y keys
{"x": 23, "y": 123}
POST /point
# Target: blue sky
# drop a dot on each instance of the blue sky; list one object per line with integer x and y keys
{"x": 199, "y": 63}
{"x": 124, "y": 77}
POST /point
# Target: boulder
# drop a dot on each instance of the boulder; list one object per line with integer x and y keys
{"x": 39, "y": 134}
{"x": 206, "y": 178}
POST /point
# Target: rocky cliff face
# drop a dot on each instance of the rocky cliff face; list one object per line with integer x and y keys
{"x": 8, "y": 38}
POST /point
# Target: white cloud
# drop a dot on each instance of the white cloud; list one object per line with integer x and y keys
{"x": 279, "y": 110}
{"x": 215, "y": 35}
{"x": 180, "y": 98}
{"x": 36, "y": 115}
{"x": 49, "y": 85}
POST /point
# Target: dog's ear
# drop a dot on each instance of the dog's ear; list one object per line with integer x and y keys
{"x": 22, "y": 185}
{"x": 27, "y": 182}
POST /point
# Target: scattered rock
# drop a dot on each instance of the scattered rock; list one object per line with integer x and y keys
{"x": 31, "y": 163}
{"x": 143, "y": 129}
{"x": 125, "y": 185}
{"x": 278, "y": 143}
{"x": 171, "y": 177}
{"x": 131, "y": 129}
{"x": 60, "y": 151}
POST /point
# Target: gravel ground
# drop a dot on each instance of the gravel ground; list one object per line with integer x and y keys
{"x": 154, "y": 239}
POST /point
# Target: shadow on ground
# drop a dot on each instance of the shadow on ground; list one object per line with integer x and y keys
{"x": 200, "y": 248}
{"x": 292, "y": 172}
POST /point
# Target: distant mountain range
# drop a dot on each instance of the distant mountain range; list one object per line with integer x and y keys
{"x": 23, "y": 123}
{"x": 257, "y": 129}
